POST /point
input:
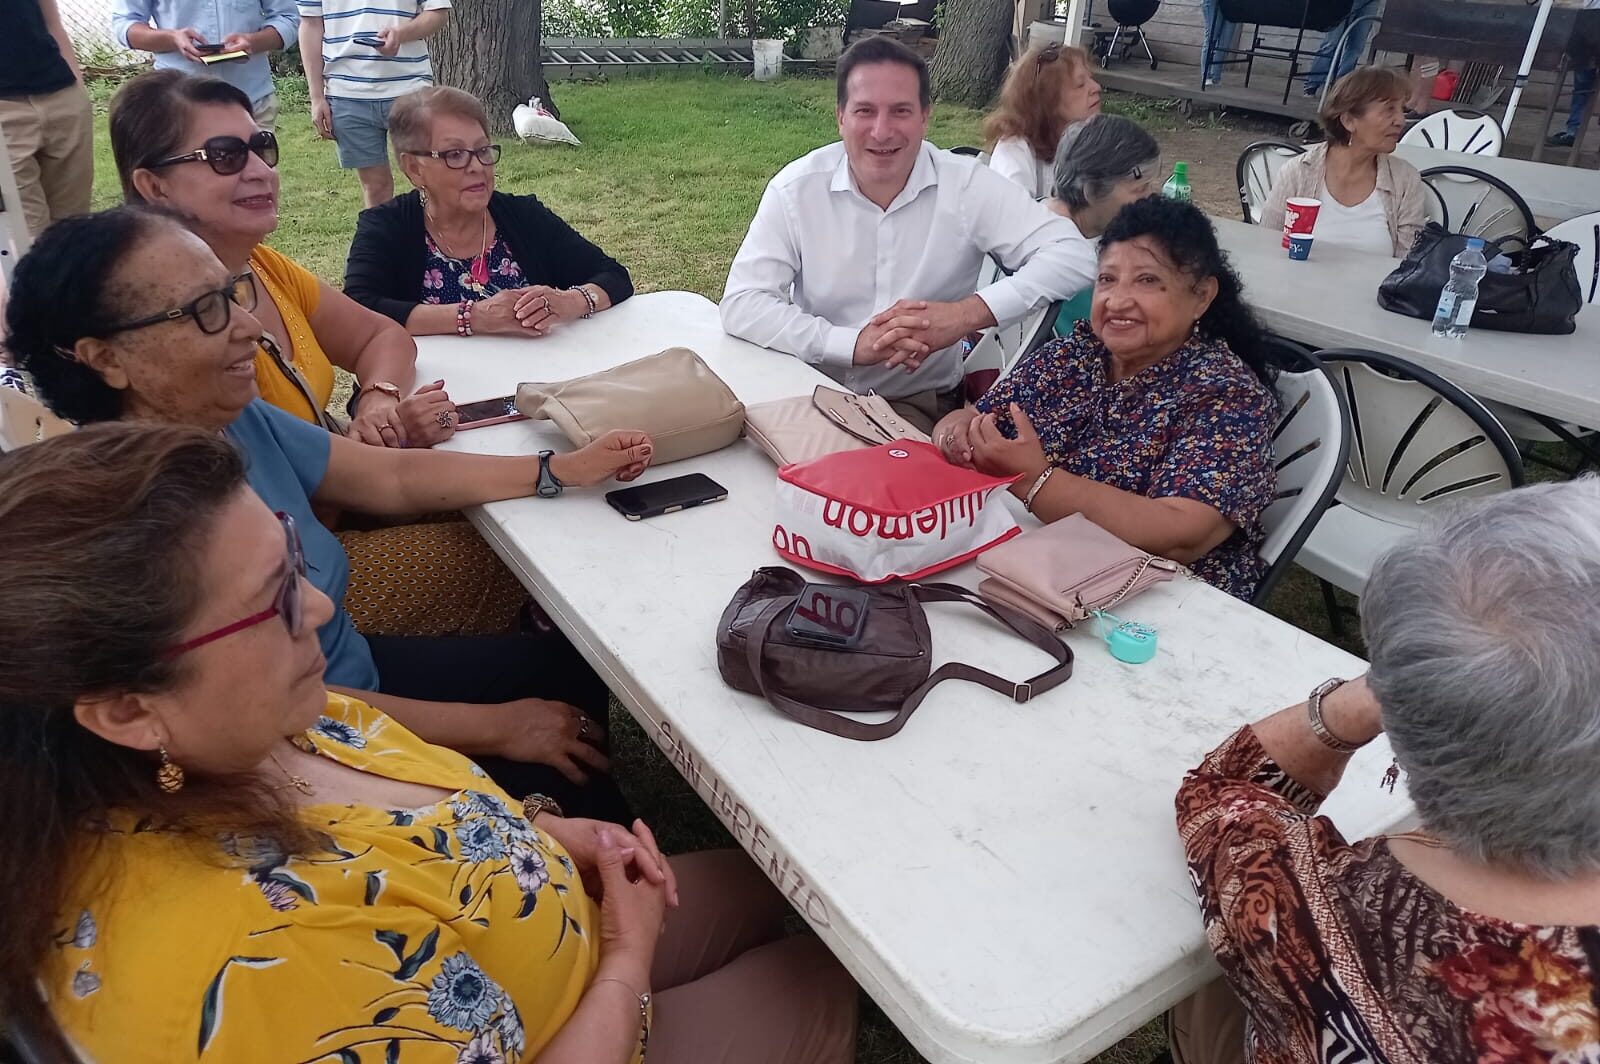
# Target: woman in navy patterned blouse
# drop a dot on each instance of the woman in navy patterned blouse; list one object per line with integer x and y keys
{"x": 1154, "y": 418}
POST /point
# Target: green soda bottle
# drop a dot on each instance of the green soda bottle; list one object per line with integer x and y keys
{"x": 1177, "y": 186}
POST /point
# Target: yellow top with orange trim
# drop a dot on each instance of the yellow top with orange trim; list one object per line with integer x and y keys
{"x": 295, "y": 291}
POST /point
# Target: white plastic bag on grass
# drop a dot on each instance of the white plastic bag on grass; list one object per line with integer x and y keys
{"x": 535, "y": 122}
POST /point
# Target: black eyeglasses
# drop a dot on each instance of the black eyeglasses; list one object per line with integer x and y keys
{"x": 209, "y": 311}
{"x": 227, "y": 155}
{"x": 456, "y": 158}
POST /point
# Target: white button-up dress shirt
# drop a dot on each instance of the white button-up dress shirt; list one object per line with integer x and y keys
{"x": 820, "y": 260}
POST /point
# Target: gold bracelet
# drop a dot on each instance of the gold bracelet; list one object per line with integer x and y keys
{"x": 1027, "y": 502}
{"x": 644, "y": 1009}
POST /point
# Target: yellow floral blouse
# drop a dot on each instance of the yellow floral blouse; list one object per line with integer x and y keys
{"x": 451, "y": 934}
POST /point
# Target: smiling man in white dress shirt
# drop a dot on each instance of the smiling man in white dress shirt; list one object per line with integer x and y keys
{"x": 864, "y": 255}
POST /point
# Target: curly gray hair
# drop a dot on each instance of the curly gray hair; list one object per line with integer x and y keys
{"x": 1484, "y": 636}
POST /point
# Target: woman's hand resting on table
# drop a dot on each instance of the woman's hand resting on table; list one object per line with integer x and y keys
{"x": 641, "y": 857}
{"x": 621, "y": 453}
{"x": 422, "y": 419}
{"x": 997, "y": 456}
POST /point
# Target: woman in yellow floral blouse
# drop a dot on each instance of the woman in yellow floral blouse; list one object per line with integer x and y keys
{"x": 226, "y": 863}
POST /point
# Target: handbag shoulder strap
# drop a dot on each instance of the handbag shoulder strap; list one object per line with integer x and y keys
{"x": 833, "y": 723}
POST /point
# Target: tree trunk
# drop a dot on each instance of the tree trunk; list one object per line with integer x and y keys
{"x": 973, "y": 51}
{"x": 490, "y": 48}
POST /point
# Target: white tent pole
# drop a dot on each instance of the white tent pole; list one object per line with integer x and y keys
{"x": 1527, "y": 63}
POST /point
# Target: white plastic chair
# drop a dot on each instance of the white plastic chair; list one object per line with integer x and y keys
{"x": 1256, "y": 171}
{"x": 1525, "y": 425}
{"x": 24, "y": 420}
{"x": 1474, "y": 203}
{"x": 1416, "y": 440}
{"x": 1470, "y": 132}
{"x": 1310, "y": 447}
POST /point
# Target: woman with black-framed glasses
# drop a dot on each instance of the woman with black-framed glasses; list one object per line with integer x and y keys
{"x": 456, "y": 256}
{"x": 127, "y": 315}
{"x": 191, "y": 144}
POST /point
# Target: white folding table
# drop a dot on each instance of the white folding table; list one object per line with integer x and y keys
{"x": 1331, "y": 300}
{"x": 1005, "y": 880}
{"x": 1554, "y": 193}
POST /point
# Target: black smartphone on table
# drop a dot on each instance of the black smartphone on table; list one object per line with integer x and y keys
{"x": 665, "y": 496}
{"x": 828, "y": 615}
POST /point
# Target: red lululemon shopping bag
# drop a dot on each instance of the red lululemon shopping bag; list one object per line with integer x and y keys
{"x": 897, "y": 510}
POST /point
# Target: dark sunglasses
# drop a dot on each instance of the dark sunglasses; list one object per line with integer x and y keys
{"x": 456, "y": 158}
{"x": 227, "y": 155}
{"x": 210, "y": 311}
{"x": 287, "y": 603}
{"x": 1050, "y": 54}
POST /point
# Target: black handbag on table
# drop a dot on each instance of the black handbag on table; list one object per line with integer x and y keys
{"x": 1539, "y": 295}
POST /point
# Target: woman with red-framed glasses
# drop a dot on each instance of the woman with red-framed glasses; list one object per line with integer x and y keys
{"x": 128, "y": 315}
{"x": 211, "y": 857}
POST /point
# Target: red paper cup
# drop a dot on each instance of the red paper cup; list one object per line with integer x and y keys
{"x": 1299, "y": 216}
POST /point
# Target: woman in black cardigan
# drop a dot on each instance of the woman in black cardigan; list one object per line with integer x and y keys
{"x": 457, "y": 256}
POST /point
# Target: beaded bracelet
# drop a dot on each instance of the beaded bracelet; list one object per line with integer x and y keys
{"x": 588, "y": 297}
{"x": 464, "y": 318}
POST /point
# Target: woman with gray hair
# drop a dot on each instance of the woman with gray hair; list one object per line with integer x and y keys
{"x": 1102, "y": 164}
{"x": 1476, "y": 938}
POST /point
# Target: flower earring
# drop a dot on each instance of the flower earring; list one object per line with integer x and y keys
{"x": 169, "y": 777}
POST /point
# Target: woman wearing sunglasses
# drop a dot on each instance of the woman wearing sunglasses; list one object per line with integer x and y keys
{"x": 127, "y": 315}
{"x": 223, "y": 860}
{"x": 1047, "y": 90}
{"x": 191, "y": 144}
{"x": 455, "y": 256}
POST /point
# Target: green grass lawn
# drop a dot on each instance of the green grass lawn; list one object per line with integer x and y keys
{"x": 667, "y": 178}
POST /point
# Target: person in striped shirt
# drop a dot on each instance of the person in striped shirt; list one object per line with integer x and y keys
{"x": 360, "y": 56}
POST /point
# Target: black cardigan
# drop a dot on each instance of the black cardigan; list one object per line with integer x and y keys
{"x": 384, "y": 270}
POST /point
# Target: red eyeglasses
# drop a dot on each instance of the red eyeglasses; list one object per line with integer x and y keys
{"x": 286, "y": 603}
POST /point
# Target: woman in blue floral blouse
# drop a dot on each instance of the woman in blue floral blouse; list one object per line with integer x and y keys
{"x": 1154, "y": 418}
{"x": 213, "y": 858}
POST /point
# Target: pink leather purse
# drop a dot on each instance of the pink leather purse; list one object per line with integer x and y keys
{"x": 1060, "y": 573}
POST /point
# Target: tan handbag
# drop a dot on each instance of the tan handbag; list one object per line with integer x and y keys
{"x": 672, "y": 395}
{"x": 829, "y": 421}
{"x": 1060, "y": 573}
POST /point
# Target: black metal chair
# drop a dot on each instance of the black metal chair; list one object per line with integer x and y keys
{"x": 1257, "y": 169}
{"x": 1316, "y": 15}
{"x": 1474, "y": 203}
{"x": 1130, "y": 15}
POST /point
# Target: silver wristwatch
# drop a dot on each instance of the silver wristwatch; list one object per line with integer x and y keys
{"x": 1314, "y": 712}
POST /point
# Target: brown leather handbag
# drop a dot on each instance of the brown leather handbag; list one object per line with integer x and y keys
{"x": 890, "y": 669}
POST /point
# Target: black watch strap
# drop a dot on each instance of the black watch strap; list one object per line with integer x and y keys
{"x": 549, "y": 486}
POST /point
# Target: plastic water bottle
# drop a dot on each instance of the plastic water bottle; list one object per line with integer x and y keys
{"x": 1460, "y": 295}
{"x": 1177, "y": 186}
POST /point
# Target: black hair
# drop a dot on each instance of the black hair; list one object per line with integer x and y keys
{"x": 1185, "y": 233}
{"x": 881, "y": 50}
{"x": 59, "y": 295}
{"x": 150, "y": 117}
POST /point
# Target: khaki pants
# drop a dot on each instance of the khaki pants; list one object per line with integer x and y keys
{"x": 50, "y": 141}
{"x": 266, "y": 111}
{"x": 731, "y": 989}
{"x": 1207, "y": 1028}
{"x": 924, "y": 409}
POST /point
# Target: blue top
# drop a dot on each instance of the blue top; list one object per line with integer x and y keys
{"x": 285, "y": 460}
{"x": 213, "y": 20}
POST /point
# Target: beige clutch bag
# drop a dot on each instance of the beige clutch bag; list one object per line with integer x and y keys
{"x": 826, "y": 422}
{"x": 1060, "y": 573}
{"x": 673, "y": 396}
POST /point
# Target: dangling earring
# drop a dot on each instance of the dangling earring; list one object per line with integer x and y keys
{"x": 1196, "y": 330}
{"x": 422, "y": 194}
{"x": 169, "y": 777}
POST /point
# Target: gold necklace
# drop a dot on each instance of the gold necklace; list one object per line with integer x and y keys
{"x": 299, "y": 783}
{"x": 483, "y": 239}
